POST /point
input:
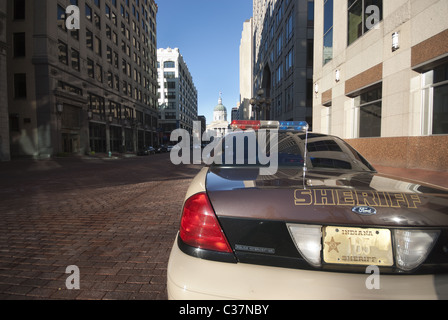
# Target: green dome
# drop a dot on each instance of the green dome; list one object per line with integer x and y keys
{"x": 220, "y": 106}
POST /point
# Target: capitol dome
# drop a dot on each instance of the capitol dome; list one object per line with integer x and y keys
{"x": 220, "y": 111}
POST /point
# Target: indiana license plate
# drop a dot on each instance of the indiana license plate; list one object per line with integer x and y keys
{"x": 357, "y": 246}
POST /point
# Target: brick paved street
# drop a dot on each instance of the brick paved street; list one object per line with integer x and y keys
{"x": 115, "y": 219}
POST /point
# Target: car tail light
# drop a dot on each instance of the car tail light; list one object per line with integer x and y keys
{"x": 412, "y": 247}
{"x": 308, "y": 240}
{"x": 199, "y": 225}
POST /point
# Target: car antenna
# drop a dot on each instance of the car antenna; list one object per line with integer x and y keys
{"x": 305, "y": 154}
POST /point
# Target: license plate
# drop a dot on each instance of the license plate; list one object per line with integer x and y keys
{"x": 357, "y": 246}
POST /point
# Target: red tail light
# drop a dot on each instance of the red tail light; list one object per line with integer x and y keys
{"x": 199, "y": 226}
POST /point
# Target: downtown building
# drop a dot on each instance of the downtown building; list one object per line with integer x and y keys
{"x": 282, "y": 69}
{"x": 246, "y": 62}
{"x": 177, "y": 94}
{"x": 4, "y": 114}
{"x": 92, "y": 88}
{"x": 381, "y": 79}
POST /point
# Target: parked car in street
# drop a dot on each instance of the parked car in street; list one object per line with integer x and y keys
{"x": 146, "y": 151}
{"x": 161, "y": 149}
{"x": 325, "y": 225}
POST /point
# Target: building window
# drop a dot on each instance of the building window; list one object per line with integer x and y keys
{"x": 279, "y": 44}
{"x": 368, "y": 112}
{"x": 89, "y": 39}
{"x": 435, "y": 99}
{"x": 289, "y": 98}
{"x": 125, "y": 88}
{"x": 88, "y": 13}
{"x": 97, "y": 46}
{"x": 117, "y": 83}
{"x": 110, "y": 79}
{"x": 99, "y": 73}
{"x": 279, "y": 74}
{"x": 169, "y": 75}
{"x": 109, "y": 54}
{"x": 63, "y": 57}
{"x": 97, "y": 20}
{"x": 75, "y": 60}
{"x": 97, "y": 134}
{"x": 19, "y": 44}
{"x": 19, "y": 9}
{"x": 278, "y": 106}
{"x": 328, "y": 31}
{"x": 289, "y": 61}
{"x": 69, "y": 88}
{"x": 359, "y": 19}
{"x": 310, "y": 17}
{"x": 96, "y": 104}
{"x": 123, "y": 66}
{"x": 75, "y": 34}
{"x": 168, "y": 64}
{"x": 289, "y": 27}
{"x": 20, "y": 85}
{"x": 171, "y": 84}
{"x": 61, "y": 18}
{"x": 90, "y": 68}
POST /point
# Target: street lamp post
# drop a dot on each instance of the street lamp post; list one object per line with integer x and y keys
{"x": 59, "y": 110}
{"x": 110, "y": 119}
{"x": 261, "y": 106}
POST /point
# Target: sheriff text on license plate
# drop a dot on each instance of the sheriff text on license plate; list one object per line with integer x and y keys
{"x": 357, "y": 246}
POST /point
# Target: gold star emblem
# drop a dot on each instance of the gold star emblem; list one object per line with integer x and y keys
{"x": 332, "y": 245}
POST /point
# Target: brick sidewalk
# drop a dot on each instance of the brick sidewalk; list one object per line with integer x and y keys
{"x": 115, "y": 220}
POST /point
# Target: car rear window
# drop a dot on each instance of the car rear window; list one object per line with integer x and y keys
{"x": 323, "y": 151}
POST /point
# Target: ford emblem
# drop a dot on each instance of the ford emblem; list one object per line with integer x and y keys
{"x": 365, "y": 211}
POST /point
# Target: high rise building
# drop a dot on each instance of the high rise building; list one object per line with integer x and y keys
{"x": 177, "y": 94}
{"x": 4, "y": 115}
{"x": 381, "y": 78}
{"x": 283, "y": 59}
{"x": 90, "y": 87}
{"x": 246, "y": 70}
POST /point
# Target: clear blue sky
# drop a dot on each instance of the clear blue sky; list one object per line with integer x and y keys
{"x": 208, "y": 34}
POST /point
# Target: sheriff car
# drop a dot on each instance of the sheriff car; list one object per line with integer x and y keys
{"x": 323, "y": 225}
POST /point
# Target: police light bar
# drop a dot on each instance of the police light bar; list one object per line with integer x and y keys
{"x": 245, "y": 124}
{"x": 280, "y": 125}
{"x": 253, "y": 124}
{"x": 293, "y": 126}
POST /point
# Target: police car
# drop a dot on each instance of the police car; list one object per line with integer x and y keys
{"x": 320, "y": 223}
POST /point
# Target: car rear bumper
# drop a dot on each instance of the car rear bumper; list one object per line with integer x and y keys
{"x": 191, "y": 278}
